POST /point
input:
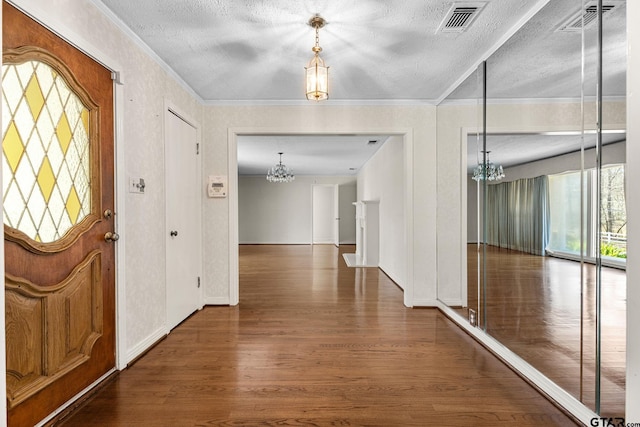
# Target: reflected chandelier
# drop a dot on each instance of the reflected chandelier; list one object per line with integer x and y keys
{"x": 488, "y": 171}
{"x": 316, "y": 72}
{"x": 280, "y": 173}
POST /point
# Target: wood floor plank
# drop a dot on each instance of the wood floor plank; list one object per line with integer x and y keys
{"x": 534, "y": 309}
{"x": 315, "y": 343}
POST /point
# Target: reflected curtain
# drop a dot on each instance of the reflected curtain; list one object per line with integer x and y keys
{"x": 518, "y": 215}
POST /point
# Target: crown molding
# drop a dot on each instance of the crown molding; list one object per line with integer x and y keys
{"x": 502, "y": 40}
{"x": 516, "y": 101}
{"x": 330, "y": 102}
{"x": 145, "y": 48}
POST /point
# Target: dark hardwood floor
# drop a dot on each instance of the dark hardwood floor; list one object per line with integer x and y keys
{"x": 315, "y": 343}
{"x": 534, "y": 308}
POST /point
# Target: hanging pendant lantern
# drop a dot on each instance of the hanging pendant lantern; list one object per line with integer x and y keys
{"x": 316, "y": 72}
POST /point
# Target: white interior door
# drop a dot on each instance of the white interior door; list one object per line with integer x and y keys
{"x": 183, "y": 219}
{"x": 323, "y": 214}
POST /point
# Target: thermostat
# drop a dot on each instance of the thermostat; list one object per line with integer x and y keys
{"x": 217, "y": 186}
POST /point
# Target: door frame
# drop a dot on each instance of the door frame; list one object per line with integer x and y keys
{"x": 296, "y": 129}
{"x": 334, "y": 229}
{"x": 92, "y": 51}
{"x": 171, "y": 108}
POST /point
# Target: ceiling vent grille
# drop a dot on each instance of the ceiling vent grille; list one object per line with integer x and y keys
{"x": 587, "y": 16}
{"x": 460, "y": 17}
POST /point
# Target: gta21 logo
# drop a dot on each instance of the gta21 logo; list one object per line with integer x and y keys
{"x": 611, "y": 422}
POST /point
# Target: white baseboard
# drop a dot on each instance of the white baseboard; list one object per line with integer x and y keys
{"x": 353, "y": 260}
{"x": 425, "y": 302}
{"x": 145, "y": 344}
{"x": 216, "y": 301}
{"x": 452, "y": 302}
{"x": 392, "y": 277}
{"x": 551, "y": 389}
{"x": 275, "y": 243}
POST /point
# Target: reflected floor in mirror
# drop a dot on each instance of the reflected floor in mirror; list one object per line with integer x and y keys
{"x": 316, "y": 343}
{"x": 534, "y": 308}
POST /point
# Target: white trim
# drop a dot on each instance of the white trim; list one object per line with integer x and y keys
{"x": 232, "y": 155}
{"x": 171, "y": 108}
{"x": 464, "y": 285}
{"x": 556, "y": 393}
{"x": 74, "y": 399}
{"x": 529, "y": 101}
{"x": 454, "y": 302}
{"x": 119, "y": 223}
{"x": 282, "y": 243}
{"x": 217, "y": 301}
{"x": 234, "y": 234}
{"x": 50, "y": 22}
{"x": 144, "y": 47}
{"x": 146, "y": 343}
{"x": 407, "y": 146}
{"x": 502, "y": 40}
{"x": 304, "y": 102}
{"x": 425, "y": 302}
{"x": 632, "y": 384}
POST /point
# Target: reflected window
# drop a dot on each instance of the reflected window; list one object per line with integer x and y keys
{"x": 566, "y": 191}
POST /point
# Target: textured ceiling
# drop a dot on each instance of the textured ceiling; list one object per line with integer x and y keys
{"x": 333, "y": 155}
{"x": 237, "y": 51}
{"x": 256, "y": 50}
{"x": 514, "y": 149}
{"x": 540, "y": 62}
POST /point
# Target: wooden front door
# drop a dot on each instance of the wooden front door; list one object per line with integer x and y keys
{"x": 58, "y": 196}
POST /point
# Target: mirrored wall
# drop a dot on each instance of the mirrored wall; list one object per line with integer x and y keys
{"x": 541, "y": 128}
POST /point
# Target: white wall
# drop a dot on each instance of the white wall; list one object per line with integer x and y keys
{"x": 279, "y": 213}
{"x": 611, "y": 154}
{"x": 454, "y": 122}
{"x": 633, "y": 209}
{"x": 381, "y": 179}
{"x": 473, "y": 216}
{"x": 223, "y": 125}
{"x": 348, "y": 194}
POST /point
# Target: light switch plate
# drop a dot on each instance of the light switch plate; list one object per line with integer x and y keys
{"x": 136, "y": 185}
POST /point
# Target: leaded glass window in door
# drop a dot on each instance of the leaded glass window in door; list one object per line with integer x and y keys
{"x": 46, "y": 152}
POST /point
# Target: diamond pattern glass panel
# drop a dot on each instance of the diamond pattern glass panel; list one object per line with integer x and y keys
{"x": 45, "y": 148}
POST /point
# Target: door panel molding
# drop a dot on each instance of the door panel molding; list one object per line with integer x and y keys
{"x": 59, "y": 324}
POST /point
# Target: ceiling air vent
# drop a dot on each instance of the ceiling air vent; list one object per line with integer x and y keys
{"x": 585, "y": 17}
{"x": 460, "y": 17}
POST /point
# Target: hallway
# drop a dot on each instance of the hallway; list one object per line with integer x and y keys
{"x": 316, "y": 343}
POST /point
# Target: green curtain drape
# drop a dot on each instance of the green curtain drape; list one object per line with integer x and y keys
{"x": 518, "y": 215}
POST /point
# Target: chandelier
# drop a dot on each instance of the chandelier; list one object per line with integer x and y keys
{"x": 280, "y": 173}
{"x": 316, "y": 72}
{"x": 488, "y": 171}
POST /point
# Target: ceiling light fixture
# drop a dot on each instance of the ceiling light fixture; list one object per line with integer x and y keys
{"x": 280, "y": 173}
{"x": 317, "y": 73}
{"x": 488, "y": 171}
